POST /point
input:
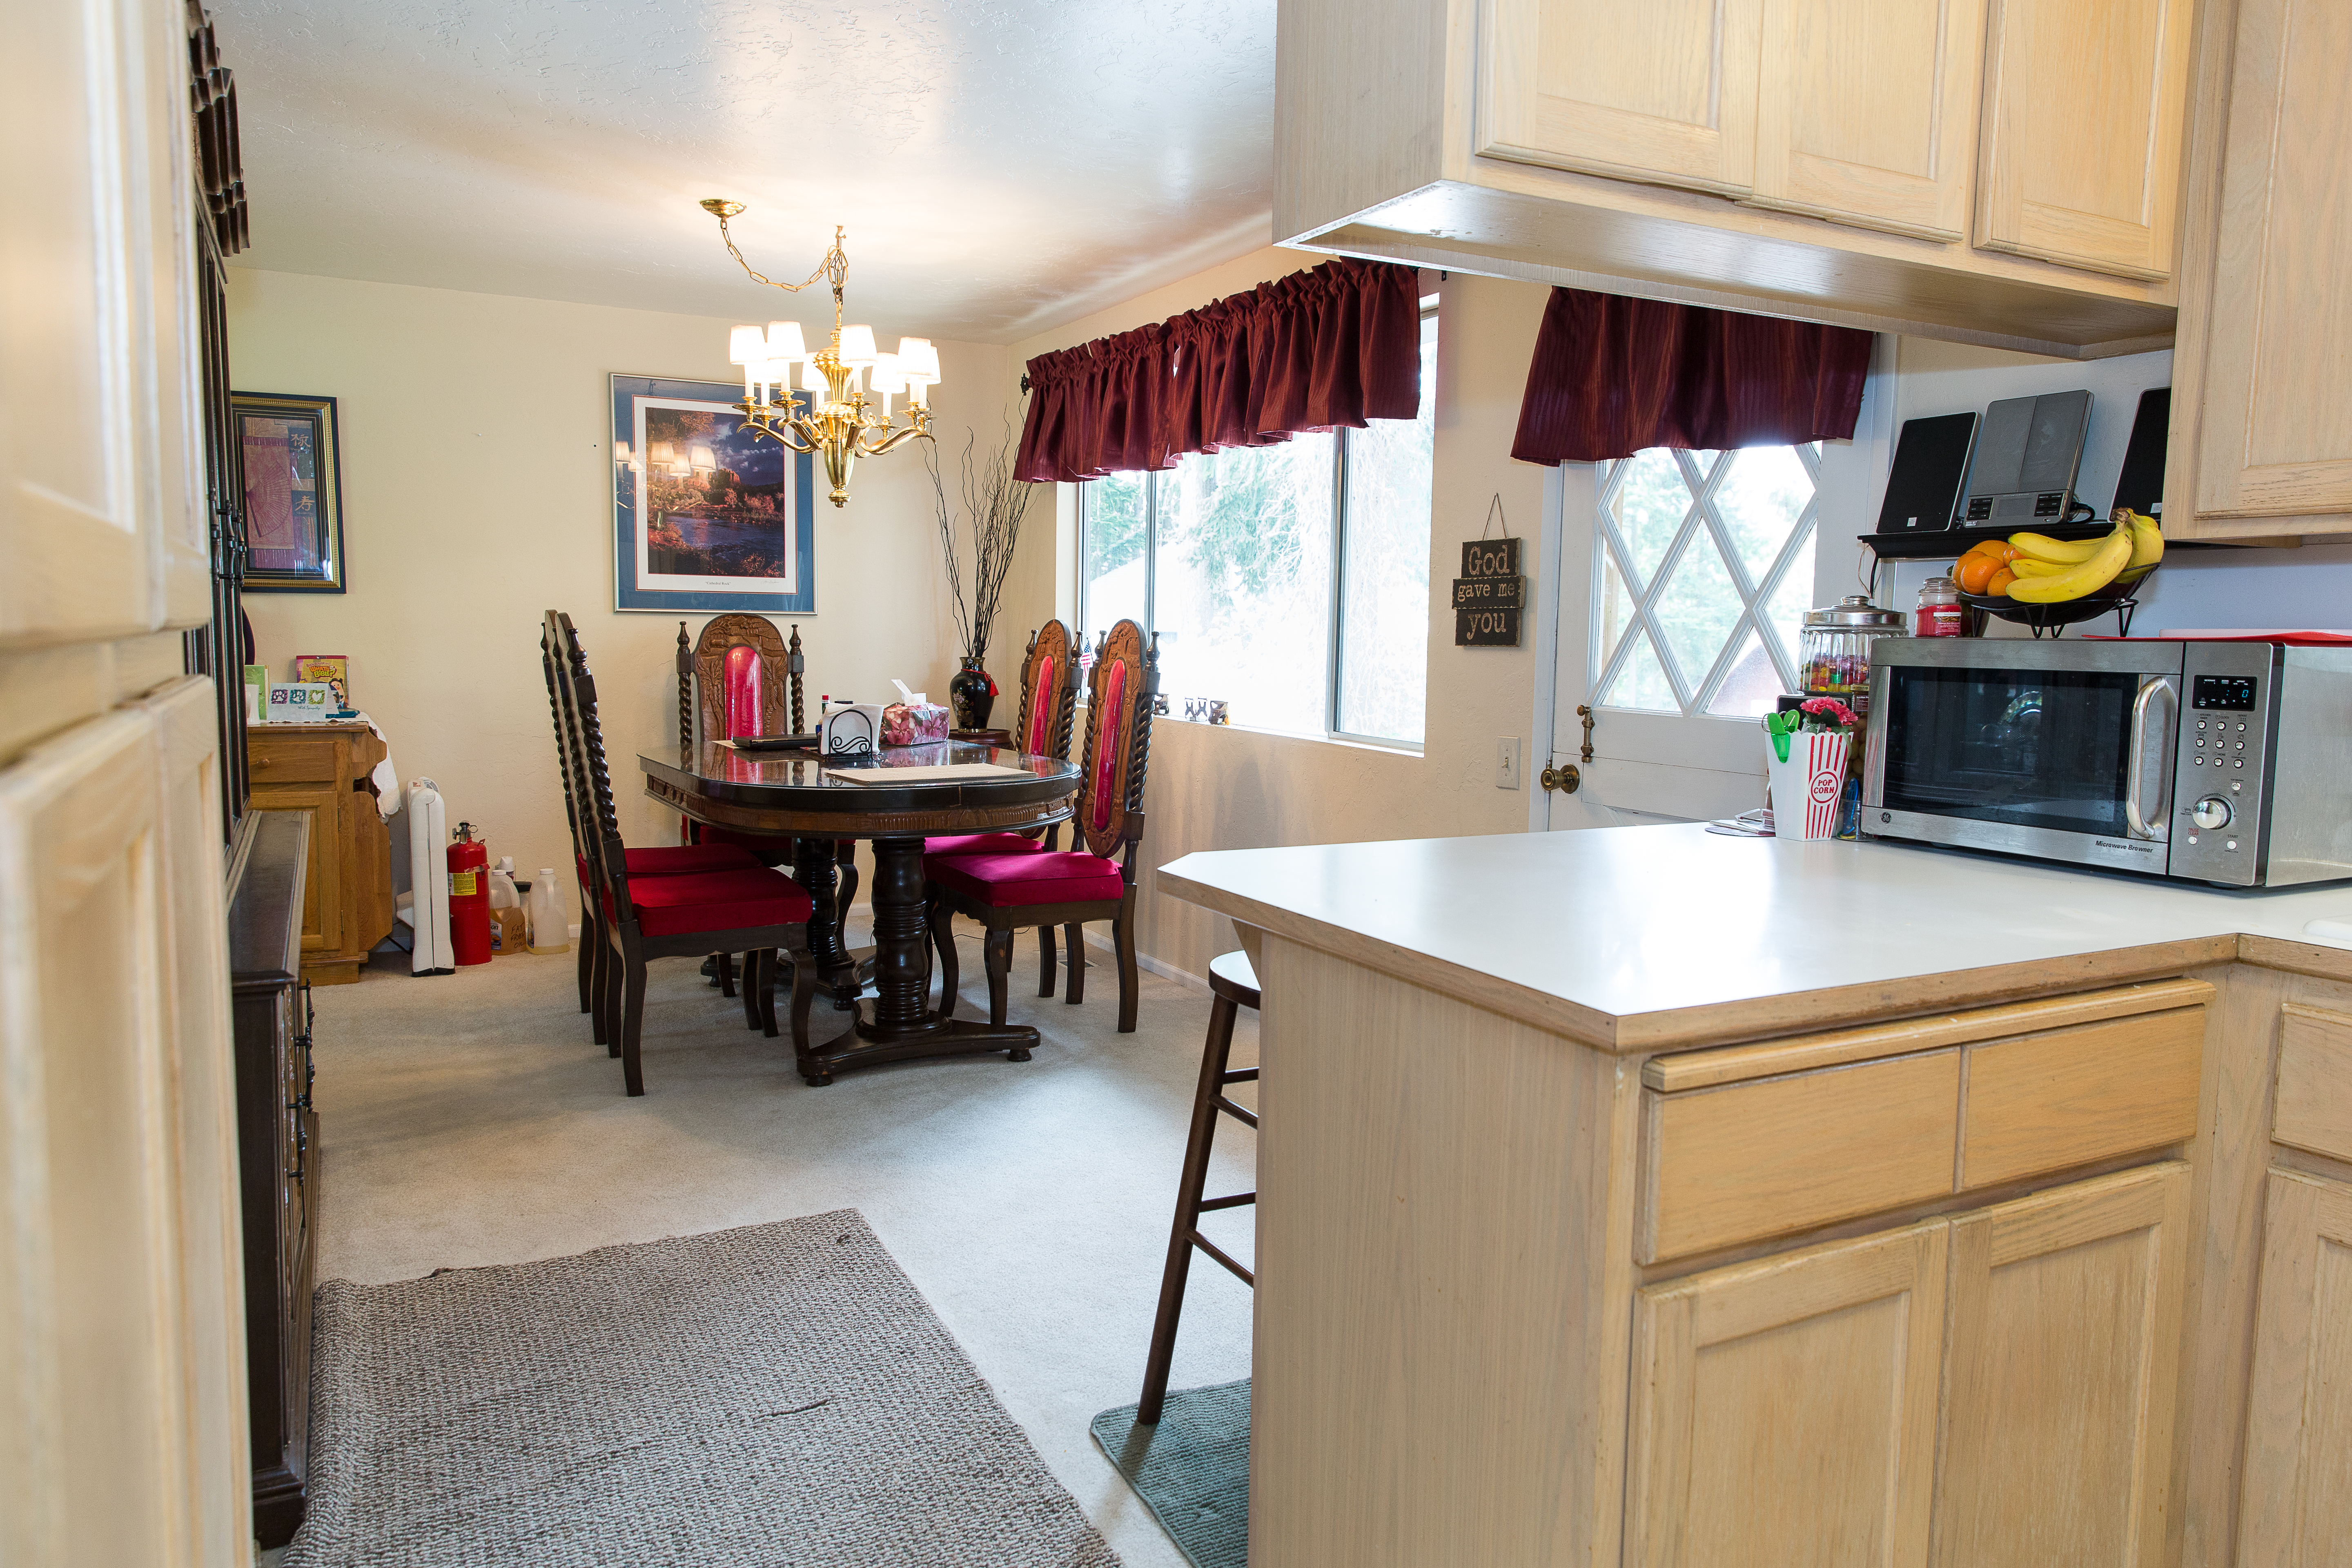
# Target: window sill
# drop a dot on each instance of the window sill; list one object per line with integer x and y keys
{"x": 1352, "y": 742}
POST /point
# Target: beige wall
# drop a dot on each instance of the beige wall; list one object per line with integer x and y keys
{"x": 1236, "y": 788}
{"x": 477, "y": 497}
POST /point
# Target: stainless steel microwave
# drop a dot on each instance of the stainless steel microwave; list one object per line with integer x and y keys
{"x": 2209, "y": 762}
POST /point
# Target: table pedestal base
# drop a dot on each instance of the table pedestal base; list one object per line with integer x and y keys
{"x": 900, "y": 1024}
{"x": 868, "y": 1043}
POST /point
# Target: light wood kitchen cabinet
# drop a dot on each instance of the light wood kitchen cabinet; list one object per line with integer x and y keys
{"x": 2264, "y": 375}
{"x": 1818, "y": 159}
{"x": 1663, "y": 92}
{"x": 2061, "y": 1369}
{"x": 1867, "y": 112}
{"x": 1784, "y": 1411}
{"x": 2298, "y": 1507}
{"x": 2085, "y": 102}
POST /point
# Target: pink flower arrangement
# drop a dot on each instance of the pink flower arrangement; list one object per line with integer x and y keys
{"x": 1829, "y": 713}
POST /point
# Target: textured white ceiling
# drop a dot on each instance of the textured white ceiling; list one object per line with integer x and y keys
{"x": 1001, "y": 166}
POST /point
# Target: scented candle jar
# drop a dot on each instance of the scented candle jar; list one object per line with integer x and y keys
{"x": 1940, "y": 613}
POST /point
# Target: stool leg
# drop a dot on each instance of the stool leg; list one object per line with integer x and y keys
{"x": 1214, "y": 1053}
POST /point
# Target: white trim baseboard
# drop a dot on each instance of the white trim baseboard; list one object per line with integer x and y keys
{"x": 1161, "y": 967}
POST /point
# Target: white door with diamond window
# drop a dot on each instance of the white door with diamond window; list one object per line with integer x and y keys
{"x": 1678, "y": 627}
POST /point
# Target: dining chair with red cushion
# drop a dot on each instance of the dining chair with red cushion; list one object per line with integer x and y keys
{"x": 1049, "y": 696}
{"x": 751, "y": 910}
{"x": 650, "y": 861}
{"x": 1066, "y": 888}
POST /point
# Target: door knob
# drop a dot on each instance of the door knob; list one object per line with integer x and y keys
{"x": 1561, "y": 777}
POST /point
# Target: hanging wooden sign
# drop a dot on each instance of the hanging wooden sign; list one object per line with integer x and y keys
{"x": 1490, "y": 595}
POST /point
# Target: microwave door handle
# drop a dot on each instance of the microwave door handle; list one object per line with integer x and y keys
{"x": 2135, "y": 773}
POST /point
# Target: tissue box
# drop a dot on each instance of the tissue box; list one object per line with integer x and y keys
{"x": 914, "y": 723}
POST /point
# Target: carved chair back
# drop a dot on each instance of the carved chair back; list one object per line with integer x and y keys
{"x": 576, "y": 687}
{"x": 547, "y": 663}
{"x": 1049, "y": 693}
{"x": 1110, "y": 807}
{"x": 705, "y": 666}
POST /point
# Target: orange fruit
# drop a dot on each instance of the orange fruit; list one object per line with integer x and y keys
{"x": 1974, "y": 570}
{"x": 2000, "y": 580}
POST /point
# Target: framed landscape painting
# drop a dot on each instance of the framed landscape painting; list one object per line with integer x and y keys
{"x": 293, "y": 493}
{"x": 706, "y": 514}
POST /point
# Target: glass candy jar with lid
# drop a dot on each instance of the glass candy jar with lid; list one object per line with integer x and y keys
{"x": 1835, "y": 648}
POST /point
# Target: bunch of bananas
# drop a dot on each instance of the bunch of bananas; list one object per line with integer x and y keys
{"x": 2035, "y": 569}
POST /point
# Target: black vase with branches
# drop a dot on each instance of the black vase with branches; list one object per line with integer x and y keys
{"x": 994, "y": 502}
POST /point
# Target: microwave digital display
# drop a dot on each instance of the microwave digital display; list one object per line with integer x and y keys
{"x": 2232, "y": 692}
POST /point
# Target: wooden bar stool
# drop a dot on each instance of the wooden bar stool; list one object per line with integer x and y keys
{"x": 1234, "y": 985}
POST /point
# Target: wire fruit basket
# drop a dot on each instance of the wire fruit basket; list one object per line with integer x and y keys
{"x": 2118, "y": 598}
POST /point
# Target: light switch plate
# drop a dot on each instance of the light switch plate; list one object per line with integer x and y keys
{"x": 1507, "y": 762}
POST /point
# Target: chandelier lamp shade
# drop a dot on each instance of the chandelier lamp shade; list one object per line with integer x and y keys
{"x": 849, "y": 381}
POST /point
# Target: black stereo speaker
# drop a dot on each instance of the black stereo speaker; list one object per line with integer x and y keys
{"x": 2027, "y": 456}
{"x": 1922, "y": 487}
{"x": 2141, "y": 485}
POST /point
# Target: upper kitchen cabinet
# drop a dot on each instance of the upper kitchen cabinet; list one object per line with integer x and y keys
{"x": 1867, "y": 113}
{"x": 1664, "y": 91}
{"x": 2265, "y": 353}
{"x": 2085, "y": 102}
{"x": 1817, "y": 159}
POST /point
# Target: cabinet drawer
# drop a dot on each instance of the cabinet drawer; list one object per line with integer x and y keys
{"x": 2314, "y": 1106}
{"x": 2068, "y": 1096}
{"x": 292, "y": 759}
{"x": 1770, "y": 1157}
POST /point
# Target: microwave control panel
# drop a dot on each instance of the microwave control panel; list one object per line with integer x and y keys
{"x": 2218, "y": 831}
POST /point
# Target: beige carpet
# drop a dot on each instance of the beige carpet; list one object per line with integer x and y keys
{"x": 469, "y": 1120}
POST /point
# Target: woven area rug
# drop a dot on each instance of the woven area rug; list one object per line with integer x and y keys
{"x": 778, "y": 1395}
{"x": 1191, "y": 1470}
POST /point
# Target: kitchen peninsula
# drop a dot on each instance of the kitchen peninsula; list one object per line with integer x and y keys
{"x": 1654, "y": 1196}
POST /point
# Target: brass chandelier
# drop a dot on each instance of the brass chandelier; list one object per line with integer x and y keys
{"x": 849, "y": 381}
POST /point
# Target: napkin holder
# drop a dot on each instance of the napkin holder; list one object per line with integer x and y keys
{"x": 851, "y": 729}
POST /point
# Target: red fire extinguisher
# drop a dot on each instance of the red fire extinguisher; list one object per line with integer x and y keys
{"x": 469, "y": 897}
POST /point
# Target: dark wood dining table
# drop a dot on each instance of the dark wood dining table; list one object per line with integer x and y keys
{"x": 797, "y": 794}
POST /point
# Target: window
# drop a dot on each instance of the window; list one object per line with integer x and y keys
{"x": 1291, "y": 581}
{"x": 1704, "y": 572}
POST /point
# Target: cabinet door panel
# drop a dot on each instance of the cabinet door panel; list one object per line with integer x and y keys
{"x": 322, "y": 888}
{"x": 1784, "y": 1411}
{"x": 2276, "y": 437}
{"x": 1664, "y": 91}
{"x": 2083, "y": 104}
{"x": 2064, "y": 1348}
{"x": 97, "y": 1407}
{"x": 1867, "y": 112}
{"x": 2297, "y": 1511}
{"x": 98, "y": 487}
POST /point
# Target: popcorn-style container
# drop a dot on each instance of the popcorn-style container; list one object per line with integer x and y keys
{"x": 1809, "y": 784}
{"x": 913, "y": 723}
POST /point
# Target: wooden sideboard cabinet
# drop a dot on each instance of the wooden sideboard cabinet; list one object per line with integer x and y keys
{"x": 277, "y": 1153}
{"x": 2263, "y": 375}
{"x": 322, "y": 770}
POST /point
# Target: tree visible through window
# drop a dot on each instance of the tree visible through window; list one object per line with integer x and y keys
{"x": 1704, "y": 568}
{"x": 1291, "y": 581}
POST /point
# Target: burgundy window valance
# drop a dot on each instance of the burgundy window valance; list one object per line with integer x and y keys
{"x": 1613, "y": 376}
{"x": 1338, "y": 345}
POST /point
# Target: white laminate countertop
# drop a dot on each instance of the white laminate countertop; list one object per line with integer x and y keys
{"x": 1594, "y": 932}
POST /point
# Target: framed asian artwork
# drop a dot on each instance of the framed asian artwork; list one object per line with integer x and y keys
{"x": 706, "y": 514}
{"x": 293, "y": 493}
